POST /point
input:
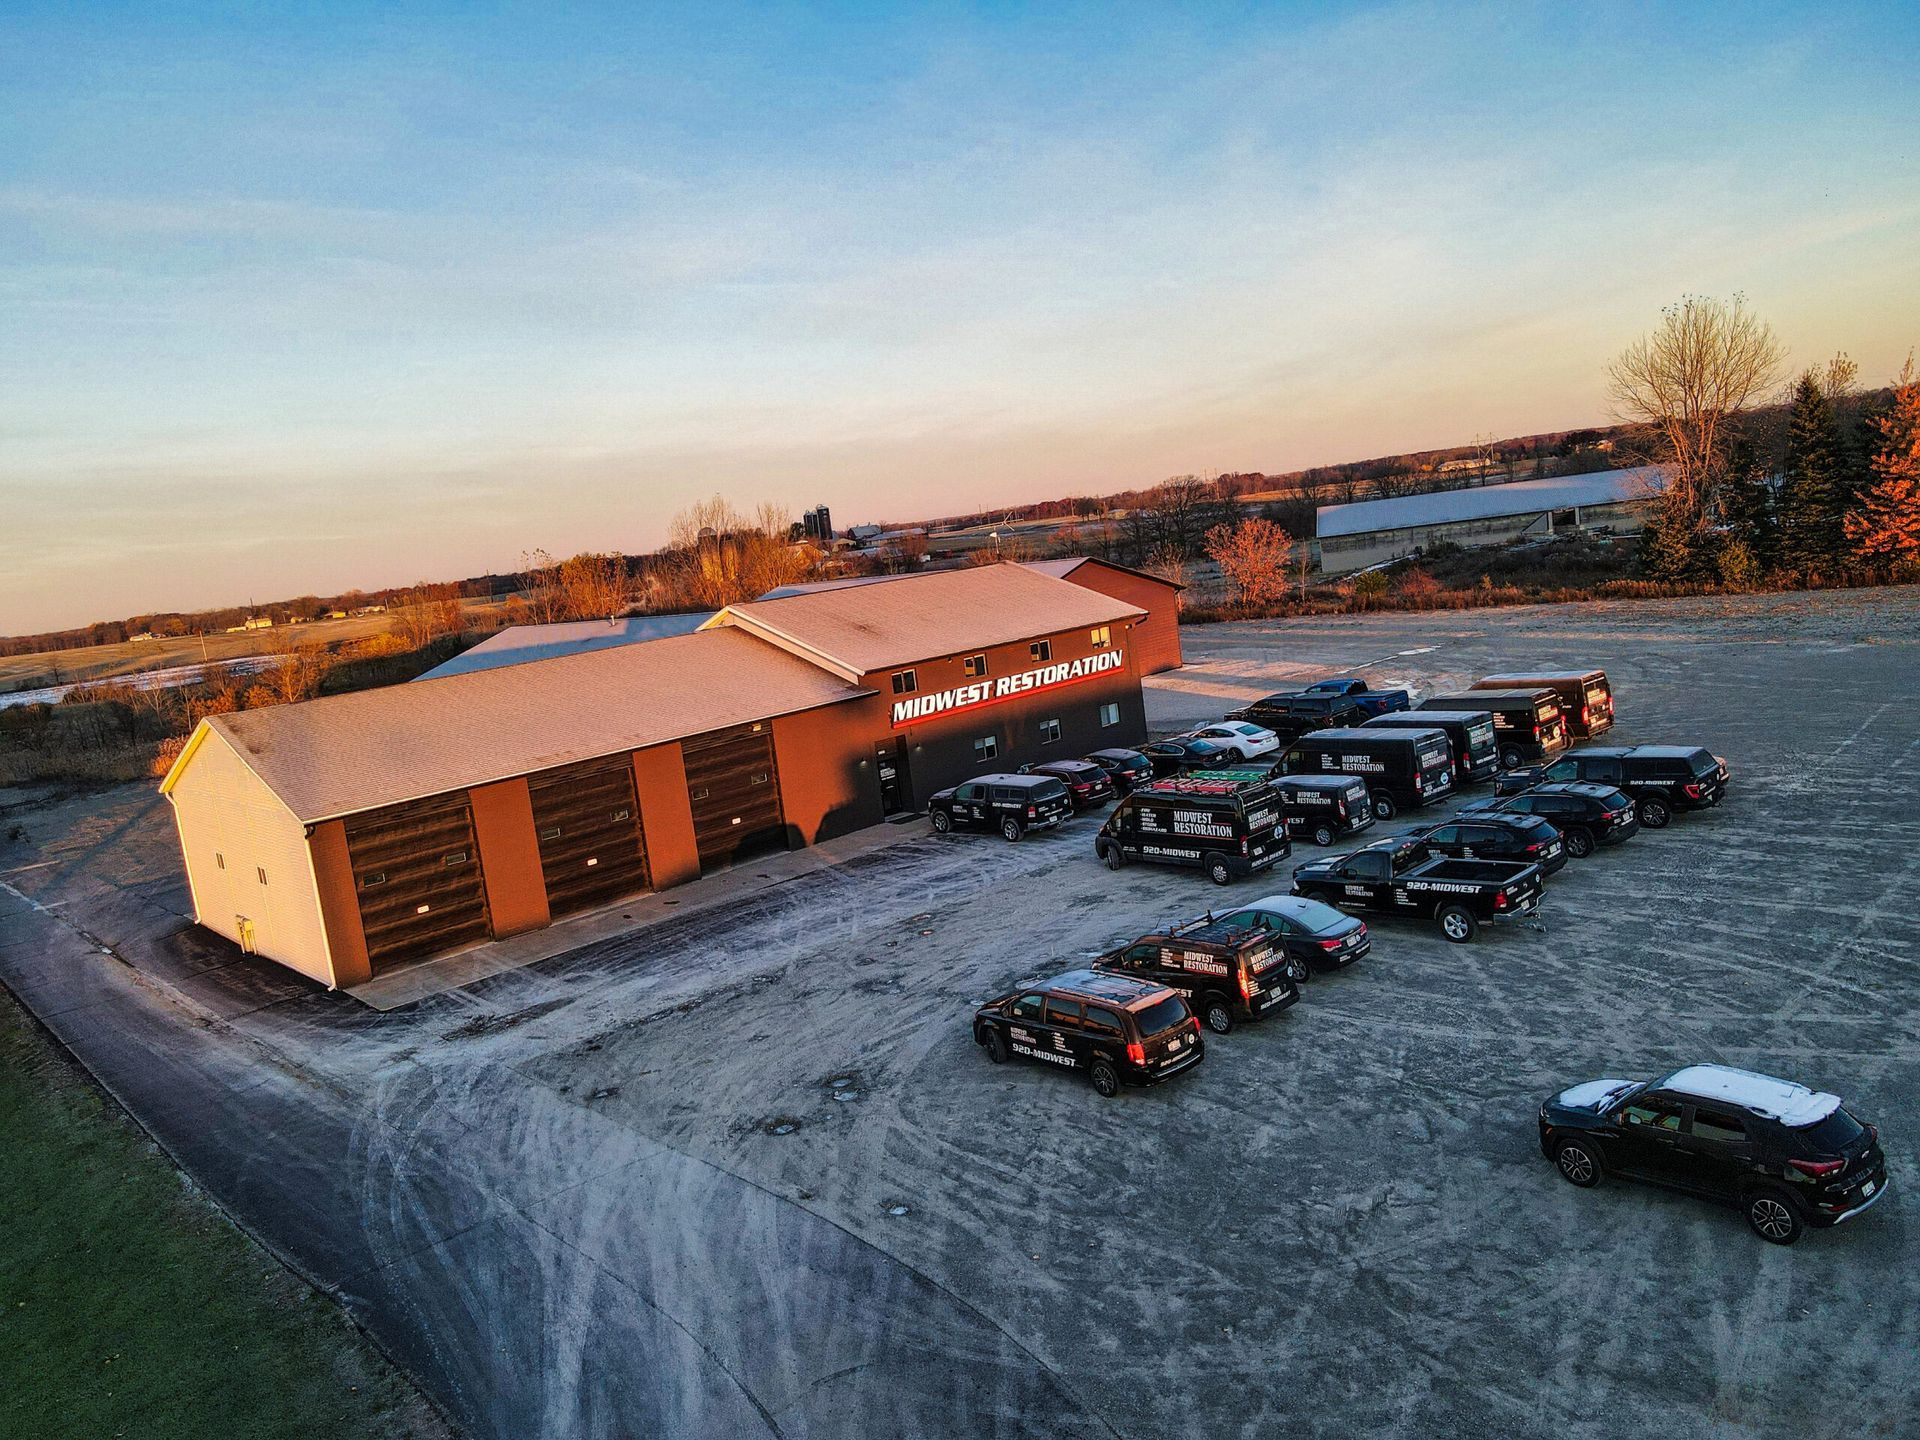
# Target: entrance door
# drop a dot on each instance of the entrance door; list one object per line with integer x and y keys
{"x": 592, "y": 847}
{"x": 734, "y": 791}
{"x": 417, "y": 874}
{"x": 896, "y": 785}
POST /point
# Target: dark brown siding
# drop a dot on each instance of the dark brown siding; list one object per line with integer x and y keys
{"x": 1156, "y": 639}
{"x": 592, "y": 847}
{"x": 733, "y": 789}
{"x": 940, "y": 750}
{"x": 417, "y": 872}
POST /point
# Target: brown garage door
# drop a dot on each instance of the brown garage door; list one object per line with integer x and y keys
{"x": 734, "y": 791}
{"x": 417, "y": 873}
{"x": 592, "y": 849}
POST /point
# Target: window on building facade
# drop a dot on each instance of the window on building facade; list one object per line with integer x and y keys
{"x": 1041, "y": 650}
{"x": 1109, "y": 715}
{"x": 905, "y": 682}
{"x": 1049, "y": 731}
{"x": 1102, "y": 637}
{"x": 986, "y": 747}
{"x": 975, "y": 666}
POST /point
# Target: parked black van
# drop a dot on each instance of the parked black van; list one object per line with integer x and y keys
{"x": 1586, "y": 697}
{"x": 1402, "y": 768}
{"x": 1111, "y": 1029}
{"x": 1527, "y": 722}
{"x": 1476, "y": 753}
{"x": 1224, "y": 972}
{"x": 1228, "y": 828}
{"x": 1320, "y": 808}
{"x": 1011, "y": 804}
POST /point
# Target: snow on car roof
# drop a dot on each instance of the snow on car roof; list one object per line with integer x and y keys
{"x": 1784, "y": 1100}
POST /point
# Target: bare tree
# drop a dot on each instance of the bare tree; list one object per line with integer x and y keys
{"x": 1706, "y": 362}
{"x": 540, "y": 588}
{"x": 426, "y": 612}
{"x": 719, "y": 554}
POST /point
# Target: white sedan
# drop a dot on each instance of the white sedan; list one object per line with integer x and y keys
{"x": 1245, "y": 740}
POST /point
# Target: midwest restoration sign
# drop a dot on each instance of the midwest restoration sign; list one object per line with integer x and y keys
{"x": 914, "y": 708}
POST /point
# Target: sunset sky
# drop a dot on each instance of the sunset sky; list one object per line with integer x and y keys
{"x": 294, "y": 304}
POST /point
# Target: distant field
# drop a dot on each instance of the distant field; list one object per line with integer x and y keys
{"x": 107, "y": 662}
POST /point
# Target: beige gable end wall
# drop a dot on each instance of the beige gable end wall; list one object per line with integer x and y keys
{"x": 224, "y": 811}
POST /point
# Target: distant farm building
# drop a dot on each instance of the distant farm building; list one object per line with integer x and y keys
{"x": 1370, "y": 532}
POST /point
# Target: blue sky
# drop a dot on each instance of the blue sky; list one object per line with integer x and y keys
{"x": 299, "y": 299}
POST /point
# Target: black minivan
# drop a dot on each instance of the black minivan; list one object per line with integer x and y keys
{"x": 1401, "y": 768}
{"x": 1228, "y": 828}
{"x": 1011, "y": 804}
{"x": 1476, "y": 752}
{"x": 1112, "y": 1029}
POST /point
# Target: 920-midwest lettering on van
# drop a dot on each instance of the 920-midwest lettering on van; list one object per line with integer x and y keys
{"x": 1005, "y": 687}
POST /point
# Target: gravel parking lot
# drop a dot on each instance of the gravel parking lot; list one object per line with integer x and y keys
{"x": 744, "y": 1171}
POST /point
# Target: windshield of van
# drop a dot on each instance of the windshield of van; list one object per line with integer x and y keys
{"x": 1549, "y": 710}
{"x": 1435, "y": 752}
{"x": 1480, "y": 735}
{"x": 1161, "y": 1016}
{"x": 1597, "y": 692}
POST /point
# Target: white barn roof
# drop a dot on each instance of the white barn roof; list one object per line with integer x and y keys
{"x": 1489, "y": 502}
{"x": 517, "y": 644}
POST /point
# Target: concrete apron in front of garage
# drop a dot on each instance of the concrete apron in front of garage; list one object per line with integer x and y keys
{"x": 418, "y": 980}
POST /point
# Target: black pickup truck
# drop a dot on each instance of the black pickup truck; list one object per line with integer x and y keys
{"x": 1399, "y": 876}
{"x": 1291, "y": 715}
{"x": 1352, "y": 687}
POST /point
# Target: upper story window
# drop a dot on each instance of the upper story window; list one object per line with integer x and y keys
{"x": 975, "y": 666}
{"x": 905, "y": 682}
{"x": 1102, "y": 637}
{"x": 1041, "y": 650}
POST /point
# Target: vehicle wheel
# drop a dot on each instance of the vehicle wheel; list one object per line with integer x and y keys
{"x": 1509, "y": 759}
{"x": 1218, "y": 870}
{"x": 1298, "y": 970}
{"x": 1011, "y": 829}
{"x": 1383, "y": 806}
{"x": 1106, "y": 1079}
{"x": 1239, "y": 757}
{"x": 1217, "y": 1013}
{"x": 1579, "y": 844}
{"x": 997, "y": 1047}
{"x": 942, "y": 822}
{"x": 1655, "y": 813}
{"x": 1773, "y": 1217}
{"x": 1457, "y": 923}
{"x": 1323, "y": 834}
{"x": 1113, "y": 857}
{"x": 1578, "y": 1164}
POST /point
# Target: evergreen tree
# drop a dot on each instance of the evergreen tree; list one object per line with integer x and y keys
{"x": 1813, "y": 498}
{"x": 1668, "y": 540}
{"x": 1746, "y": 504}
{"x": 1885, "y": 523}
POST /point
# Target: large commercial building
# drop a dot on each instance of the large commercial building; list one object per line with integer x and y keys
{"x": 349, "y": 834}
{"x": 1371, "y": 532}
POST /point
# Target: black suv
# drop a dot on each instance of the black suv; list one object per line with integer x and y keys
{"x": 1226, "y": 973}
{"x": 1112, "y": 1029}
{"x": 1587, "y": 816}
{"x": 1184, "y": 753}
{"x": 1087, "y": 783}
{"x": 1662, "y": 779}
{"x": 1788, "y": 1157}
{"x": 1126, "y": 768}
{"x": 1490, "y": 835}
{"x": 1011, "y": 804}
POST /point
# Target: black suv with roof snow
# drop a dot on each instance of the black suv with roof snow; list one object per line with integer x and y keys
{"x": 1112, "y": 1029}
{"x": 1011, "y": 804}
{"x": 1663, "y": 780}
{"x": 1226, "y": 973}
{"x": 1587, "y": 816}
{"x": 1787, "y": 1156}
